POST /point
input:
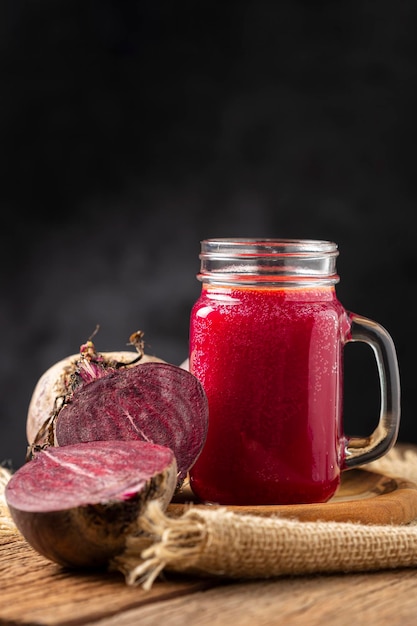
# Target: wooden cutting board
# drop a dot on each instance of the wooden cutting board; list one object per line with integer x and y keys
{"x": 363, "y": 496}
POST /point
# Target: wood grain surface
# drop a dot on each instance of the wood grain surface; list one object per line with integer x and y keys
{"x": 363, "y": 496}
{"x": 380, "y": 599}
{"x": 35, "y": 592}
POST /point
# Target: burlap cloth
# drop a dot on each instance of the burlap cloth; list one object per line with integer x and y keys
{"x": 223, "y": 543}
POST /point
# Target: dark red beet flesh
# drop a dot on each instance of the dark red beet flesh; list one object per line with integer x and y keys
{"x": 76, "y": 504}
{"x": 155, "y": 402}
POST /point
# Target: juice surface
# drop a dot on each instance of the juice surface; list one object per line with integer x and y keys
{"x": 270, "y": 363}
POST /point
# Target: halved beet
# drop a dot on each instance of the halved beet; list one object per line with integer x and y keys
{"x": 55, "y": 383}
{"x": 156, "y": 402}
{"x": 76, "y": 505}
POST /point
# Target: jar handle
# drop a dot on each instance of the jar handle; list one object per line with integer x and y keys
{"x": 360, "y": 450}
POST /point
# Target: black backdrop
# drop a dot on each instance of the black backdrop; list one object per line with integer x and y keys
{"x": 131, "y": 130}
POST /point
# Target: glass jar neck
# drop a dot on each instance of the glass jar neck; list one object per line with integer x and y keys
{"x": 268, "y": 262}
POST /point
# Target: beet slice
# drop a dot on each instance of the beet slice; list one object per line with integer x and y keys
{"x": 76, "y": 505}
{"x": 156, "y": 402}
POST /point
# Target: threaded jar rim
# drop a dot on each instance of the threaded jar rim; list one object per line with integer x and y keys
{"x": 257, "y": 261}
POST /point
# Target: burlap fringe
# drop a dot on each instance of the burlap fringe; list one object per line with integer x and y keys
{"x": 177, "y": 541}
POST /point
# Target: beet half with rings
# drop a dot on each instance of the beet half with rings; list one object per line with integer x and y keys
{"x": 77, "y": 504}
{"x": 119, "y": 395}
{"x": 155, "y": 402}
{"x": 57, "y": 381}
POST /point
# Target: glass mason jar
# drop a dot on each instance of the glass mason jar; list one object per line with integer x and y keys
{"x": 266, "y": 342}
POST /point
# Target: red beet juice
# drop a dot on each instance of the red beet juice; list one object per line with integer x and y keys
{"x": 269, "y": 359}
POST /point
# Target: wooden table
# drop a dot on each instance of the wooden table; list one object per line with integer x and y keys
{"x": 37, "y": 592}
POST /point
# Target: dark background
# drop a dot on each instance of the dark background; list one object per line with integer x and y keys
{"x": 132, "y": 130}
